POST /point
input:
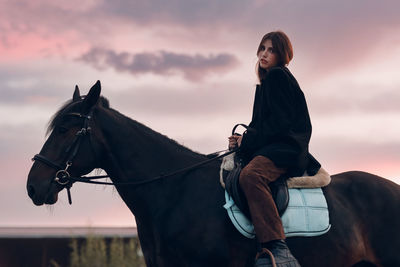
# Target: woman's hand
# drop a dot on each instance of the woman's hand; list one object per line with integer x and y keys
{"x": 234, "y": 141}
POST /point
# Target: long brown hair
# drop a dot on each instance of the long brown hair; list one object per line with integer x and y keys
{"x": 282, "y": 47}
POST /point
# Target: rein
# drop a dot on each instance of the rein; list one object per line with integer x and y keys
{"x": 64, "y": 179}
{"x": 88, "y": 179}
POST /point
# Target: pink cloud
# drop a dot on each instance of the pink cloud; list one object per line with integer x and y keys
{"x": 17, "y": 47}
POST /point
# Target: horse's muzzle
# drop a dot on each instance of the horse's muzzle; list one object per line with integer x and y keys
{"x": 39, "y": 197}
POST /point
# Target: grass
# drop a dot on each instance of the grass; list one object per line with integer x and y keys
{"x": 97, "y": 252}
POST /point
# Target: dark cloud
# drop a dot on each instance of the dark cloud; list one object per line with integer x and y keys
{"x": 193, "y": 67}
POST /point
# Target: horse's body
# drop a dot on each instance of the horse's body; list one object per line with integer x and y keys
{"x": 181, "y": 220}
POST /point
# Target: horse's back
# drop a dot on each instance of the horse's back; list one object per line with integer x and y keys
{"x": 367, "y": 194}
{"x": 366, "y": 208}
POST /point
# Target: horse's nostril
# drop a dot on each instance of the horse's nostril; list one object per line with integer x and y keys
{"x": 31, "y": 191}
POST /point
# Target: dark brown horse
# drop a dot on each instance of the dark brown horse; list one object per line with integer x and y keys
{"x": 180, "y": 219}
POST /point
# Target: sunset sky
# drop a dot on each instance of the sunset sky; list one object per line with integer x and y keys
{"x": 186, "y": 68}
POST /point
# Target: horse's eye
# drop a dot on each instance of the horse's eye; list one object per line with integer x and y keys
{"x": 62, "y": 129}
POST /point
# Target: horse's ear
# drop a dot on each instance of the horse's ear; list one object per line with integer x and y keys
{"x": 92, "y": 97}
{"x": 77, "y": 94}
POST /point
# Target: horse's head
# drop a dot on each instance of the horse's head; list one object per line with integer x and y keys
{"x": 67, "y": 151}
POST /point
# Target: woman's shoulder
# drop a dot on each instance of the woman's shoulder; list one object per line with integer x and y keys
{"x": 276, "y": 75}
{"x": 277, "y": 69}
{"x": 281, "y": 74}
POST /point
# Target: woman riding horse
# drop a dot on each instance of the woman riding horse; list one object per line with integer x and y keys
{"x": 276, "y": 146}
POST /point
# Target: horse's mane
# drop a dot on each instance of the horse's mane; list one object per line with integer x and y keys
{"x": 150, "y": 132}
{"x": 72, "y": 106}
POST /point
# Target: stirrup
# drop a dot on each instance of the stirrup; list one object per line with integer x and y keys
{"x": 271, "y": 260}
{"x": 264, "y": 261}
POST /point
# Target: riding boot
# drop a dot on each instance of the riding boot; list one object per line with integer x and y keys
{"x": 276, "y": 255}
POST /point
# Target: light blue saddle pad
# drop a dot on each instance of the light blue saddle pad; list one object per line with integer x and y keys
{"x": 306, "y": 215}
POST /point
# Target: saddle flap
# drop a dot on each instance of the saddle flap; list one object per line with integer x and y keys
{"x": 279, "y": 191}
{"x": 280, "y": 194}
{"x": 306, "y": 215}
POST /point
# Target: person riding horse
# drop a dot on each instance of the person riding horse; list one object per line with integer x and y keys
{"x": 277, "y": 145}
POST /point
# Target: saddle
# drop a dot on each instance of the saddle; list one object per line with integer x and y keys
{"x": 230, "y": 172}
{"x": 304, "y": 213}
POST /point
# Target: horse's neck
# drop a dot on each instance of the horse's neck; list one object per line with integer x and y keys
{"x": 135, "y": 152}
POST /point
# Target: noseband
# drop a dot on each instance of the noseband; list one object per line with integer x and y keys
{"x": 62, "y": 176}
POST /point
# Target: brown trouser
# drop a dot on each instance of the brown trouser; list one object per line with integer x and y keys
{"x": 254, "y": 180}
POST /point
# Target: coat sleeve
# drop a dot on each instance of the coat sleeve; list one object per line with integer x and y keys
{"x": 278, "y": 117}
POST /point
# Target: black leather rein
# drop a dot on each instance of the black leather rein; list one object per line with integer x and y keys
{"x": 64, "y": 179}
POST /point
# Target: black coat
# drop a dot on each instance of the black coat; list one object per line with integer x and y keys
{"x": 281, "y": 122}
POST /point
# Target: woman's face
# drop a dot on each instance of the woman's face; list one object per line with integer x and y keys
{"x": 267, "y": 56}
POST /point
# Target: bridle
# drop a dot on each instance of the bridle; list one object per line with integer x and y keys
{"x": 64, "y": 178}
